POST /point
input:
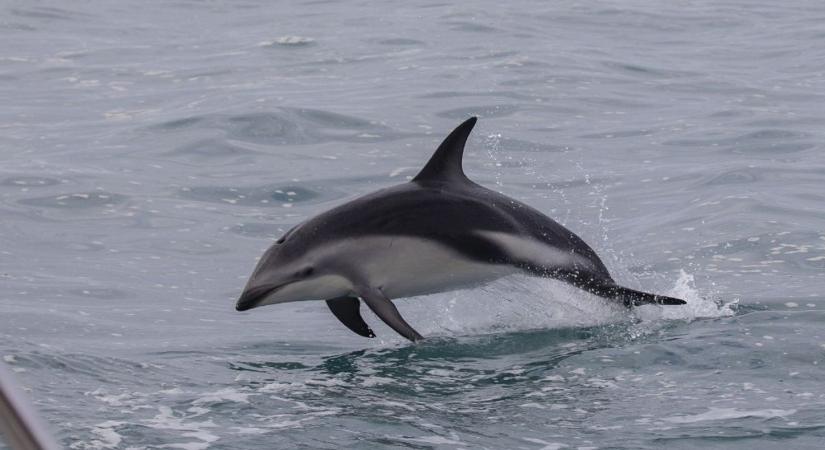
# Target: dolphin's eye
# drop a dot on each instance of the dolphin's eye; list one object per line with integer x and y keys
{"x": 306, "y": 272}
{"x": 281, "y": 240}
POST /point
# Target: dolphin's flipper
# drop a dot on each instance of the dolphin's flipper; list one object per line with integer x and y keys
{"x": 346, "y": 309}
{"x": 386, "y": 311}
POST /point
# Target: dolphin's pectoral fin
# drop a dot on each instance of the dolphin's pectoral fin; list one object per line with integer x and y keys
{"x": 347, "y": 310}
{"x": 386, "y": 311}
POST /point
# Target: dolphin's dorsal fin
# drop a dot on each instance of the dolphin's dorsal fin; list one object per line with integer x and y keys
{"x": 445, "y": 164}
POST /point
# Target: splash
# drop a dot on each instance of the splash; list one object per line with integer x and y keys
{"x": 492, "y": 143}
{"x": 521, "y": 303}
{"x": 517, "y": 303}
{"x": 697, "y": 307}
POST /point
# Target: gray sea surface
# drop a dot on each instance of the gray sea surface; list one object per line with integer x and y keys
{"x": 151, "y": 151}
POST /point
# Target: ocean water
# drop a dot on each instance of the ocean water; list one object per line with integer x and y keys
{"x": 151, "y": 151}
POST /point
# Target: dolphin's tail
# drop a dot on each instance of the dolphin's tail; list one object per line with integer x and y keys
{"x": 632, "y": 297}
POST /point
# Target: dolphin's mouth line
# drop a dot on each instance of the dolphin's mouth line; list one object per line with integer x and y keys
{"x": 251, "y": 298}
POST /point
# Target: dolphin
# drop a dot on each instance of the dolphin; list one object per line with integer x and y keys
{"x": 436, "y": 233}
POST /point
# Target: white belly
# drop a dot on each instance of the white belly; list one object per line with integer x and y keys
{"x": 406, "y": 267}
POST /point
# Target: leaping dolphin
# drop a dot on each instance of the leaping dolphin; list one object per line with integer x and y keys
{"x": 436, "y": 233}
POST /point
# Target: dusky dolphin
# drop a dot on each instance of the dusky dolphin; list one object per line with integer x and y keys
{"x": 436, "y": 233}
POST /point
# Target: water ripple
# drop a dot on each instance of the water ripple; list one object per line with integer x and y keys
{"x": 77, "y": 200}
{"x": 268, "y": 195}
{"x": 290, "y": 126}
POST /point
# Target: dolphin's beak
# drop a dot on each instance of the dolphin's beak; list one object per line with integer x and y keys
{"x": 253, "y": 295}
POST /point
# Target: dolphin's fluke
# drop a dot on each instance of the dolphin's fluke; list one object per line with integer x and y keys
{"x": 386, "y": 311}
{"x": 347, "y": 310}
{"x": 445, "y": 164}
{"x": 632, "y": 297}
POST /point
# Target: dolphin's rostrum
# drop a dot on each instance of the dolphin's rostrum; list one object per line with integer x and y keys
{"x": 439, "y": 232}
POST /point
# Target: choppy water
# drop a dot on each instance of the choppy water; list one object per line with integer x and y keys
{"x": 150, "y": 151}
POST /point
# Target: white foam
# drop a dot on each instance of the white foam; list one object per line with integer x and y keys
{"x": 373, "y": 380}
{"x": 106, "y": 436}
{"x": 123, "y": 399}
{"x": 434, "y": 440}
{"x": 532, "y": 405}
{"x": 172, "y": 391}
{"x": 520, "y": 303}
{"x": 697, "y": 307}
{"x": 187, "y": 445}
{"x": 546, "y": 445}
{"x": 392, "y": 404}
{"x": 297, "y": 423}
{"x": 327, "y": 382}
{"x": 275, "y": 386}
{"x": 730, "y": 413}
{"x": 223, "y": 395}
{"x": 249, "y": 430}
{"x": 513, "y": 303}
{"x": 287, "y": 40}
{"x": 166, "y": 419}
